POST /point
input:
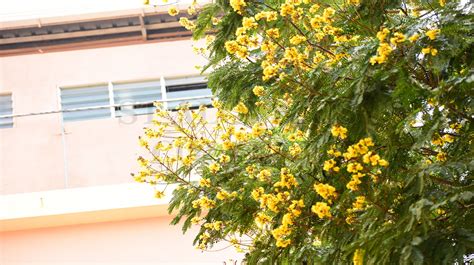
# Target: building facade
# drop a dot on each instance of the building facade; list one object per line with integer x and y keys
{"x": 75, "y": 94}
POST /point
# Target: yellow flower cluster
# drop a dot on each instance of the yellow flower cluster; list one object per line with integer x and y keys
{"x": 267, "y": 15}
{"x": 384, "y": 49}
{"x": 241, "y": 108}
{"x": 282, "y": 232}
{"x": 429, "y": 50}
{"x": 330, "y": 165}
{"x": 264, "y": 175}
{"x": 287, "y": 179}
{"x": 258, "y": 91}
{"x": 204, "y": 202}
{"x": 238, "y": 5}
{"x": 432, "y": 34}
{"x": 214, "y": 167}
{"x": 339, "y": 131}
{"x": 224, "y": 195}
{"x": 217, "y": 225}
{"x": 295, "y": 149}
{"x": 173, "y": 11}
{"x": 186, "y": 23}
{"x": 297, "y": 39}
{"x": 262, "y": 219}
{"x": 326, "y": 191}
{"x": 203, "y": 182}
{"x": 322, "y": 209}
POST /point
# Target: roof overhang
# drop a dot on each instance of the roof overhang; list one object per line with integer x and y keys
{"x": 144, "y": 25}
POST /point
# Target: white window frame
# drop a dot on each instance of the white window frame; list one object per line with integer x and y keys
{"x": 110, "y": 85}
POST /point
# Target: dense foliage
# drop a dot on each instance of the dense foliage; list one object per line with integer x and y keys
{"x": 343, "y": 132}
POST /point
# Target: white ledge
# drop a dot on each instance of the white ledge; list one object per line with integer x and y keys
{"x": 80, "y": 206}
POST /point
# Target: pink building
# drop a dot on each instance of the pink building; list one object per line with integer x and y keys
{"x": 75, "y": 93}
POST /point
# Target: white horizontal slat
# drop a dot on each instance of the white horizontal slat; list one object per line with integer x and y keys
{"x": 85, "y": 97}
{"x": 6, "y": 108}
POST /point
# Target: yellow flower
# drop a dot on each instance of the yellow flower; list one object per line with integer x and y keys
{"x": 195, "y": 220}
{"x": 231, "y": 46}
{"x": 264, "y": 175}
{"x": 354, "y": 167}
{"x": 257, "y": 193}
{"x": 330, "y": 165}
{"x": 353, "y": 2}
{"x": 173, "y": 11}
{"x": 321, "y": 209}
{"x": 143, "y": 142}
{"x": 189, "y": 25}
{"x": 262, "y": 219}
{"x": 329, "y": 12}
{"x": 159, "y": 194}
{"x": 382, "y": 34}
{"x": 442, "y": 3}
{"x": 241, "y": 135}
{"x": 238, "y": 5}
{"x": 283, "y": 243}
{"x": 214, "y": 167}
{"x": 334, "y": 152}
{"x": 287, "y": 179}
{"x": 397, "y": 38}
{"x": 414, "y": 37}
{"x": 273, "y": 33}
{"x": 358, "y": 258}
{"x": 441, "y": 156}
{"x": 222, "y": 195}
{"x": 258, "y": 91}
{"x": 205, "y": 182}
{"x": 295, "y": 149}
{"x": 360, "y": 203}
{"x": 241, "y": 108}
{"x": 339, "y": 131}
{"x": 188, "y": 160}
{"x": 295, "y": 40}
{"x": 227, "y": 145}
{"x": 355, "y": 181}
{"x": 314, "y": 8}
{"x": 224, "y": 159}
{"x": 325, "y": 190}
{"x": 429, "y": 50}
{"x": 258, "y": 129}
{"x": 448, "y": 138}
{"x": 287, "y": 9}
{"x": 249, "y": 23}
{"x": 432, "y": 34}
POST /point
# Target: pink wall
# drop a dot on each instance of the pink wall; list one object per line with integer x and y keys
{"x": 99, "y": 152}
{"x": 133, "y": 242}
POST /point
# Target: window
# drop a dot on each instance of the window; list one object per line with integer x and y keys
{"x": 93, "y": 97}
{"x": 186, "y": 88}
{"x": 128, "y": 93}
{"x": 6, "y": 108}
{"x": 117, "y": 99}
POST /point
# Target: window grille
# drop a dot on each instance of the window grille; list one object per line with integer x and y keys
{"x": 6, "y": 108}
{"x": 187, "y": 87}
{"x": 137, "y": 92}
{"x": 85, "y": 97}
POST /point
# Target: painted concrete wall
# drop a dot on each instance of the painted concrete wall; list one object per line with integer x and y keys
{"x": 98, "y": 152}
{"x": 132, "y": 242}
